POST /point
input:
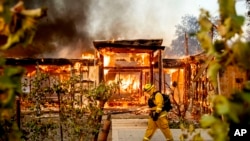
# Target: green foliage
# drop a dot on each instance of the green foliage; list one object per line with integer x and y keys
{"x": 10, "y": 87}
{"x": 80, "y": 110}
{"x": 231, "y": 22}
{"x": 189, "y": 132}
{"x": 205, "y": 27}
{"x": 18, "y": 25}
{"x": 35, "y": 126}
{"x": 213, "y": 67}
{"x": 5, "y": 10}
{"x": 241, "y": 53}
{"x": 21, "y": 24}
{"x": 217, "y": 128}
{"x": 229, "y": 49}
{"x": 104, "y": 91}
{"x": 38, "y": 129}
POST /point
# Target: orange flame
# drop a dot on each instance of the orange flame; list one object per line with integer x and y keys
{"x": 88, "y": 56}
{"x": 44, "y": 68}
{"x": 106, "y": 61}
{"x": 77, "y": 65}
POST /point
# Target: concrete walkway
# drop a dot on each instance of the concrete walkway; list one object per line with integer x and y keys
{"x": 134, "y": 129}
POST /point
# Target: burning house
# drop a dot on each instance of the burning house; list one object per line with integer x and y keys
{"x": 132, "y": 62}
{"x": 58, "y": 70}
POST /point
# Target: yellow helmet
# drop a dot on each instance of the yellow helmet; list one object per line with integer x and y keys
{"x": 148, "y": 87}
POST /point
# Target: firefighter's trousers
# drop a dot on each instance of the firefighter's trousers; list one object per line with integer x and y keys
{"x": 162, "y": 124}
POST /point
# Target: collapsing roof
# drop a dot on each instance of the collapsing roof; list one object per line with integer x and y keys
{"x": 125, "y": 46}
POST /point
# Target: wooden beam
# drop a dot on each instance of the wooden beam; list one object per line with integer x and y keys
{"x": 132, "y": 47}
{"x": 128, "y": 68}
{"x": 173, "y": 63}
{"x": 48, "y": 61}
{"x": 137, "y": 42}
{"x": 124, "y": 70}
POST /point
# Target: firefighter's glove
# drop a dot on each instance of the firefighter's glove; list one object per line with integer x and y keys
{"x": 155, "y": 116}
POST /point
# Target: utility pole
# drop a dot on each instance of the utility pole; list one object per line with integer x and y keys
{"x": 186, "y": 44}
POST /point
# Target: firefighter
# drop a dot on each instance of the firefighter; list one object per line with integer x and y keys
{"x": 158, "y": 117}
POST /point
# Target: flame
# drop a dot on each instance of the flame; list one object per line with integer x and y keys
{"x": 77, "y": 65}
{"x": 44, "y": 68}
{"x": 57, "y": 69}
{"x": 172, "y": 70}
{"x": 63, "y": 68}
{"x": 31, "y": 74}
{"x": 143, "y": 59}
{"x": 106, "y": 61}
{"x": 129, "y": 82}
{"x": 88, "y": 56}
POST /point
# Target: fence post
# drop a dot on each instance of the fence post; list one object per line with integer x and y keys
{"x": 18, "y": 112}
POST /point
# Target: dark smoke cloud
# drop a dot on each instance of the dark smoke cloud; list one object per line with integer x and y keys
{"x": 60, "y": 34}
{"x": 70, "y": 26}
{"x": 61, "y": 30}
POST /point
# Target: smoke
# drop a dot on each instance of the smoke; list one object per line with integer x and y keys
{"x": 70, "y": 26}
{"x": 61, "y": 32}
{"x": 129, "y": 19}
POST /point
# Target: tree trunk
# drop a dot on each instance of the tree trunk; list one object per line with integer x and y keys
{"x": 99, "y": 118}
{"x": 103, "y": 134}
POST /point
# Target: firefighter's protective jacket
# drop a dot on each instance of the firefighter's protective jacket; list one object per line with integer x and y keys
{"x": 158, "y": 101}
{"x": 161, "y": 122}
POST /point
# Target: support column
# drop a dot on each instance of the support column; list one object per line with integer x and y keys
{"x": 141, "y": 91}
{"x": 101, "y": 68}
{"x": 187, "y": 78}
{"x": 160, "y": 69}
{"x": 151, "y": 55}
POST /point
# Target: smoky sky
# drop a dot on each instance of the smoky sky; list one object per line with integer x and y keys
{"x": 71, "y": 26}
{"x": 61, "y": 33}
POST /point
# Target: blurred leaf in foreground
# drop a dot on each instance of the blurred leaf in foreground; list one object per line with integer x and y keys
{"x": 22, "y": 26}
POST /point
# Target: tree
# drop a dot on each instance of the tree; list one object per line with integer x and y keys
{"x": 189, "y": 25}
{"x": 248, "y": 20}
{"x": 17, "y": 26}
{"x": 231, "y": 112}
{"x": 248, "y": 8}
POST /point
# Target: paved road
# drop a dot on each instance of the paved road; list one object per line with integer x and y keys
{"x": 133, "y": 130}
